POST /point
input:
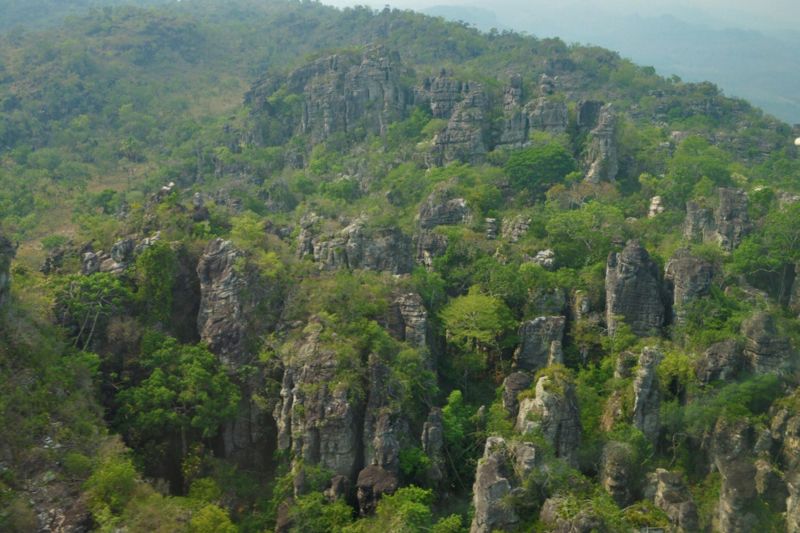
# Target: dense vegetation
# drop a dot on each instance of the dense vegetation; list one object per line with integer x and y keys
{"x": 183, "y": 122}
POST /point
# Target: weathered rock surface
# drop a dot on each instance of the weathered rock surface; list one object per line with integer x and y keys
{"x": 443, "y": 208}
{"x": 409, "y": 321}
{"x": 465, "y": 137}
{"x": 785, "y": 433}
{"x": 432, "y": 441}
{"x": 7, "y": 252}
{"x": 727, "y": 224}
{"x": 647, "y": 395}
{"x": 554, "y": 411}
{"x": 513, "y": 384}
{"x": 602, "y": 160}
{"x": 633, "y": 291}
{"x": 317, "y": 421}
{"x": 656, "y": 207}
{"x": 385, "y": 429}
{"x": 688, "y": 278}
{"x": 673, "y": 497}
{"x": 222, "y": 287}
{"x": 429, "y": 245}
{"x": 731, "y": 445}
{"x": 765, "y": 349}
{"x": 540, "y": 343}
{"x": 442, "y": 93}
{"x": 722, "y": 361}
{"x": 123, "y": 254}
{"x": 357, "y": 247}
{"x": 373, "y": 483}
{"x": 494, "y": 481}
{"x": 559, "y": 517}
{"x": 547, "y": 115}
{"x": 617, "y": 472}
{"x": 514, "y": 228}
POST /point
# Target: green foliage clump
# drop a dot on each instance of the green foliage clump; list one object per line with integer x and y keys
{"x": 538, "y": 168}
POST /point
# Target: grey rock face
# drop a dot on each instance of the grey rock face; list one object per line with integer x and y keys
{"x": 515, "y": 383}
{"x": 343, "y": 93}
{"x": 429, "y": 245}
{"x": 513, "y": 229}
{"x": 494, "y": 480}
{"x": 547, "y": 115}
{"x": 540, "y": 343}
{"x": 647, "y": 396}
{"x": 558, "y": 516}
{"x": 731, "y": 445}
{"x": 356, "y": 247}
{"x": 373, "y": 483}
{"x": 673, "y": 497}
{"x": 442, "y": 93}
{"x": 602, "y": 160}
{"x": 411, "y": 320}
{"x": 688, "y": 278}
{"x": 785, "y": 431}
{"x": 433, "y": 445}
{"x": 7, "y": 253}
{"x": 316, "y": 420}
{"x": 765, "y": 350}
{"x": 220, "y": 320}
{"x": 633, "y": 291}
{"x": 443, "y": 208}
{"x": 464, "y": 137}
{"x": 722, "y": 361}
{"x": 553, "y": 411}
{"x": 588, "y": 114}
{"x": 384, "y": 426}
{"x": 545, "y": 259}
{"x": 616, "y": 474}
{"x": 727, "y": 224}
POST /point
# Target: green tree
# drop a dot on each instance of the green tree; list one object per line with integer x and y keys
{"x": 538, "y": 168}
{"x": 211, "y": 519}
{"x": 86, "y": 302}
{"x": 155, "y": 275}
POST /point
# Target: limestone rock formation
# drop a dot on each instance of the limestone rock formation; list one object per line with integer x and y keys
{"x": 429, "y": 245}
{"x": 732, "y": 443}
{"x": 727, "y": 224}
{"x": 443, "y": 208}
{"x": 409, "y": 321}
{"x": 514, "y": 228}
{"x": 540, "y": 343}
{"x": 7, "y": 252}
{"x": 633, "y": 291}
{"x": 494, "y": 481}
{"x": 688, "y": 278}
{"x": 722, "y": 361}
{"x": 384, "y": 428}
{"x": 554, "y": 411}
{"x": 432, "y": 441}
{"x": 602, "y": 159}
{"x": 464, "y": 137}
{"x": 617, "y": 472}
{"x": 545, "y": 114}
{"x": 222, "y": 286}
{"x": 442, "y": 93}
{"x": 559, "y": 517}
{"x": 647, "y": 395}
{"x": 357, "y": 247}
{"x": 373, "y": 483}
{"x": 785, "y": 432}
{"x": 765, "y": 349}
{"x": 515, "y": 383}
{"x": 316, "y": 420}
{"x": 673, "y": 497}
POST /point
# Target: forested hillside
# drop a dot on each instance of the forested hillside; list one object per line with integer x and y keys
{"x": 281, "y": 267}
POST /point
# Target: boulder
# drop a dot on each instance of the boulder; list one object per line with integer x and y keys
{"x": 633, "y": 291}
{"x": 373, "y": 483}
{"x": 540, "y": 343}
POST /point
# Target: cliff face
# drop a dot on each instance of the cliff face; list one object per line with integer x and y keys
{"x": 7, "y": 252}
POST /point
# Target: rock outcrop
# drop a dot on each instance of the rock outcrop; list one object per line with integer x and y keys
{"x": 7, "y": 252}
{"x": 514, "y": 228}
{"x": 465, "y": 136}
{"x": 540, "y": 343}
{"x": 558, "y": 516}
{"x": 732, "y": 443}
{"x": 432, "y": 441}
{"x": 727, "y": 224}
{"x": 553, "y": 410}
{"x": 409, "y": 320}
{"x": 647, "y": 395}
{"x": 443, "y": 208}
{"x": 385, "y": 428}
{"x": 372, "y": 484}
{"x": 220, "y": 320}
{"x": 633, "y": 291}
{"x": 317, "y": 421}
{"x": 545, "y": 114}
{"x": 688, "y": 278}
{"x": 617, "y": 472}
{"x": 357, "y": 247}
{"x": 500, "y": 473}
{"x": 765, "y": 349}
{"x": 673, "y": 497}
{"x": 428, "y": 245}
{"x": 722, "y": 361}
{"x": 602, "y": 159}
{"x": 122, "y": 256}
{"x": 513, "y": 384}
{"x": 785, "y": 433}
{"x": 442, "y": 93}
